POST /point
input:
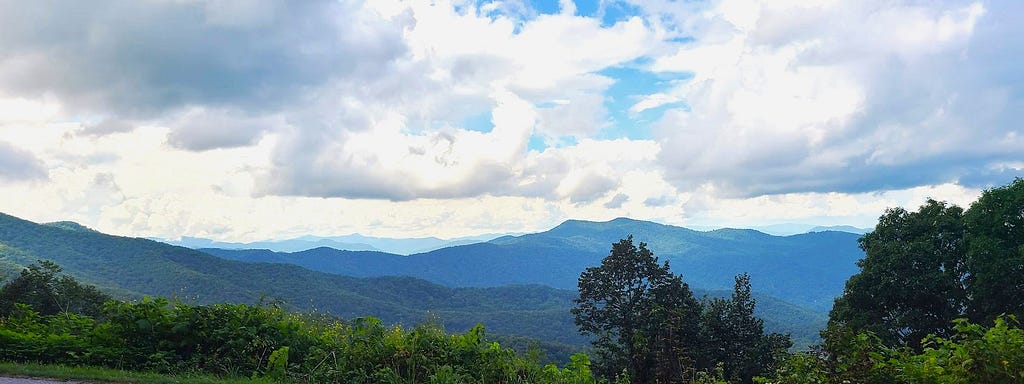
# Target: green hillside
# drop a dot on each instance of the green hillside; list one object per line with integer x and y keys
{"x": 132, "y": 267}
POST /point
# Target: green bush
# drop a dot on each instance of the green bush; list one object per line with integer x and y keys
{"x": 266, "y": 341}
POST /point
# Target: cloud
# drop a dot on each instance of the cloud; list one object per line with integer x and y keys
{"x": 617, "y": 201}
{"x": 20, "y": 165}
{"x": 384, "y": 160}
{"x": 660, "y": 201}
{"x": 142, "y": 59}
{"x": 401, "y": 136}
{"x": 591, "y": 187}
{"x": 200, "y": 129}
{"x": 106, "y": 127}
{"x": 849, "y": 97}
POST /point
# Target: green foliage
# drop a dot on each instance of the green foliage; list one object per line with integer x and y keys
{"x": 924, "y": 269}
{"x": 904, "y": 317}
{"x": 628, "y": 302}
{"x": 42, "y": 286}
{"x": 277, "y": 365}
{"x": 265, "y": 341}
{"x": 995, "y": 256}
{"x": 911, "y": 281}
{"x": 971, "y": 354}
{"x": 734, "y": 338}
{"x": 650, "y": 328}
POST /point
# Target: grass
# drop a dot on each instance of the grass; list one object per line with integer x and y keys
{"x": 96, "y": 374}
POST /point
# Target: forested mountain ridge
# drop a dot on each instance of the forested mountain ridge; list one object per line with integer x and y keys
{"x": 132, "y": 267}
{"x": 808, "y": 269}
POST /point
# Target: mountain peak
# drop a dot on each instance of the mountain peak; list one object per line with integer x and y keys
{"x": 70, "y": 226}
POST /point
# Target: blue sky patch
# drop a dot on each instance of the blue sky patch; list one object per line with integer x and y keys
{"x": 631, "y": 85}
{"x": 479, "y": 122}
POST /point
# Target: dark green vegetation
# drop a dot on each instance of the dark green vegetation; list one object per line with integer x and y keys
{"x": 924, "y": 269}
{"x": 971, "y": 354}
{"x": 650, "y": 328}
{"x": 807, "y": 270}
{"x": 237, "y": 340}
{"x": 936, "y": 301}
{"x": 131, "y": 268}
{"x": 40, "y": 287}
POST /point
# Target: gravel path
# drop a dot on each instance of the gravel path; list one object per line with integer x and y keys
{"x": 18, "y": 380}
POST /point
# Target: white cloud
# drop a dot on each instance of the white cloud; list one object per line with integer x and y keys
{"x": 200, "y": 129}
{"x": 245, "y": 121}
{"x": 653, "y": 101}
{"x": 834, "y": 97}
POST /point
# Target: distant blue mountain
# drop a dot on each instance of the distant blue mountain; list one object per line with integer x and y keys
{"x": 354, "y": 242}
{"x": 789, "y": 229}
{"x": 808, "y": 270}
{"x": 842, "y": 228}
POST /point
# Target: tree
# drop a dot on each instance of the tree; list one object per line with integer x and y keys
{"x": 41, "y": 286}
{"x": 640, "y": 312}
{"x": 735, "y": 338}
{"x": 912, "y": 279}
{"x": 995, "y": 254}
{"x": 675, "y": 345}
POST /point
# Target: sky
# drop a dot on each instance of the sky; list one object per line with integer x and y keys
{"x": 243, "y": 120}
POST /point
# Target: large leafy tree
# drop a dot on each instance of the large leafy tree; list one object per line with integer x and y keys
{"x": 639, "y": 311}
{"x": 47, "y": 291}
{"x": 924, "y": 269}
{"x": 995, "y": 255}
{"x": 911, "y": 282}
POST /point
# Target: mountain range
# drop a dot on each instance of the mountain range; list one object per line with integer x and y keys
{"x": 808, "y": 270}
{"x": 515, "y": 285}
{"x": 353, "y": 242}
{"x": 408, "y": 246}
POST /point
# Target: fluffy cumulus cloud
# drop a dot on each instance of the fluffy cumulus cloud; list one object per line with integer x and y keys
{"x": 844, "y": 96}
{"x": 148, "y": 59}
{"x": 169, "y": 118}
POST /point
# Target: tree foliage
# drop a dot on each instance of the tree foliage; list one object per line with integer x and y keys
{"x": 44, "y": 288}
{"x": 649, "y": 327}
{"x": 915, "y": 312}
{"x": 911, "y": 282}
{"x": 735, "y": 338}
{"x": 972, "y": 353}
{"x": 626, "y": 302}
{"x": 926, "y": 268}
{"x": 995, "y": 253}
